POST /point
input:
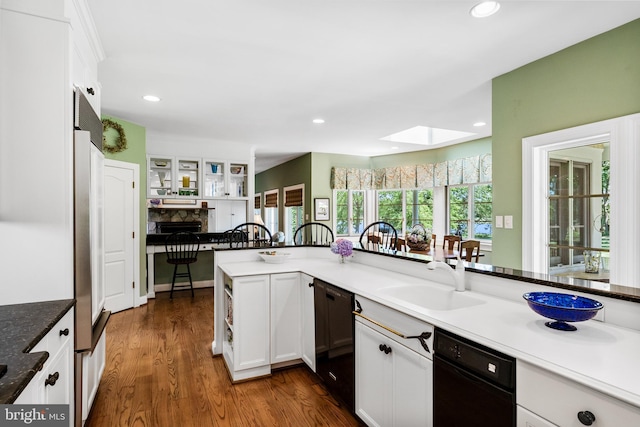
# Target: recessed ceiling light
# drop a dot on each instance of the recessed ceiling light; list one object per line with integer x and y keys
{"x": 484, "y": 9}
{"x": 151, "y": 98}
{"x": 479, "y": 124}
{"x": 395, "y": 148}
{"x": 318, "y": 121}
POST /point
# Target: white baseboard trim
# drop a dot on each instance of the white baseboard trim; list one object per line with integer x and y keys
{"x": 166, "y": 287}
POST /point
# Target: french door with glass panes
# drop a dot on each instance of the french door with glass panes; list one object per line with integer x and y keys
{"x": 569, "y": 212}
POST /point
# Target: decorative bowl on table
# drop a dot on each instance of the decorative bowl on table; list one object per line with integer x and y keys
{"x": 562, "y": 308}
{"x": 273, "y": 257}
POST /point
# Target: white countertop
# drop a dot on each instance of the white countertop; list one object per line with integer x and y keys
{"x": 598, "y": 355}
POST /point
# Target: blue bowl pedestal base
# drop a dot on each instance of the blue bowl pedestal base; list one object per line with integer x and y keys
{"x": 561, "y": 326}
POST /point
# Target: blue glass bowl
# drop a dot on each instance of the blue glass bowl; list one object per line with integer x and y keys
{"x": 562, "y": 308}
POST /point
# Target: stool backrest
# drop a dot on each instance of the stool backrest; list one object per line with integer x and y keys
{"x": 182, "y": 247}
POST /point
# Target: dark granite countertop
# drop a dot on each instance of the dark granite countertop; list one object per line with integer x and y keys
{"x": 625, "y": 293}
{"x": 160, "y": 238}
{"x": 22, "y": 326}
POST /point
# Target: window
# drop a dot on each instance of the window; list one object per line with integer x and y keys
{"x": 257, "y": 207}
{"x": 350, "y": 207}
{"x": 404, "y": 208}
{"x": 390, "y": 208}
{"x": 470, "y": 211}
{"x": 271, "y": 210}
{"x": 294, "y": 209}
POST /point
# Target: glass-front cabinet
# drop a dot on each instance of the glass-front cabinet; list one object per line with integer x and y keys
{"x": 224, "y": 179}
{"x": 171, "y": 177}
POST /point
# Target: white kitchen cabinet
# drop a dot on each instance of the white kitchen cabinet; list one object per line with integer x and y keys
{"x": 393, "y": 383}
{"x": 286, "y": 316}
{"x": 225, "y": 179}
{"x": 85, "y": 55}
{"x": 246, "y": 348}
{"x": 538, "y": 390}
{"x": 93, "y": 365}
{"x": 527, "y": 418}
{"x": 227, "y": 214}
{"x": 173, "y": 177}
{"x": 308, "y": 321}
{"x": 54, "y": 383}
{"x": 394, "y": 375}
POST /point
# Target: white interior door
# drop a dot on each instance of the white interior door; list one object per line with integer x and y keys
{"x": 121, "y": 199}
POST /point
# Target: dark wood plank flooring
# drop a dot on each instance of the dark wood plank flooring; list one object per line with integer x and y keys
{"x": 160, "y": 372}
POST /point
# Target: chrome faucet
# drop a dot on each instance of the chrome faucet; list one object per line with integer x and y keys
{"x": 457, "y": 273}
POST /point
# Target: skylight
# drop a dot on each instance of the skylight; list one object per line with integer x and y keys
{"x": 423, "y": 135}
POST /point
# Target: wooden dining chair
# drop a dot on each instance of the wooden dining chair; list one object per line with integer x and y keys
{"x": 401, "y": 244}
{"x": 433, "y": 240}
{"x": 470, "y": 249}
{"x": 250, "y": 235}
{"x": 314, "y": 234}
{"x": 450, "y": 241}
{"x": 378, "y": 235}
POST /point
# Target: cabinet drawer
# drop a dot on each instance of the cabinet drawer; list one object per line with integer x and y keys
{"x": 390, "y": 322}
{"x": 58, "y": 336}
{"x": 559, "y": 400}
{"x": 529, "y": 419}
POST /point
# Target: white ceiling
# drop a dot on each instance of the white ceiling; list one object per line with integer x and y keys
{"x": 257, "y": 72}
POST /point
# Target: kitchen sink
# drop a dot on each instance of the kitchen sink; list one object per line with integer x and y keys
{"x": 430, "y": 297}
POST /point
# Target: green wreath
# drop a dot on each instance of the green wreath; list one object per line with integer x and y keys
{"x": 120, "y": 141}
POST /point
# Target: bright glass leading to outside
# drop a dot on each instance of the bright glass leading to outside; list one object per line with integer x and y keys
{"x": 424, "y": 135}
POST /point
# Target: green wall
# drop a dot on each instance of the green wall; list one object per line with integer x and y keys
{"x": 135, "y": 153}
{"x": 595, "y": 80}
{"x": 293, "y": 172}
{"x": 311, "y": 169}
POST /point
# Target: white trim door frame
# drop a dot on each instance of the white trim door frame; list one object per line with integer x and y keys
{"x": 623, "y": 134}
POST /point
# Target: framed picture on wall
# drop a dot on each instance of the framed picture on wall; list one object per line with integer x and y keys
{"x": 321, "y": 211}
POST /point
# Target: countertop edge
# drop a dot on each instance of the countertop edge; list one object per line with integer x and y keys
{"x": 22, "y": 366}
{"x": 622, "y": 394}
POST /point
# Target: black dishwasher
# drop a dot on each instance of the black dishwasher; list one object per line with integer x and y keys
{"x": 473, "y": 385}
{"x": 334, "y": 340}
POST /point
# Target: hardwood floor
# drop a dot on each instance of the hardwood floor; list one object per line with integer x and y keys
{"x": 160, "y": 372}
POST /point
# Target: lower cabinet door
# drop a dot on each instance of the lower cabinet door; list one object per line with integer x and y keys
{"x": 58, "y": 378}
{"x": 251, "y": 331}
{"x": 286, "y": 327}
{"x": 308, "y": 321}
{"x": 373, "y": 369}
{"x": 412, "y": 388}
{"x": 33, "y": 393}
{"x": 92, "y": 368}
{"x": 394, "y": 384}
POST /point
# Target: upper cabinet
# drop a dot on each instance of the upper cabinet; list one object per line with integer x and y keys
{"x": 224, "y": 179}
{"x": 86, "y": 53}
{"x": 173, "y": 177}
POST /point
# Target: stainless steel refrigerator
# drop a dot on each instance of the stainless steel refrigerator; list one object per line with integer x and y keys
{"x": 89, "y": 283}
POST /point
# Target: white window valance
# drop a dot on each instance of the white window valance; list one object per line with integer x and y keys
{"x": 468, "y": 170}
